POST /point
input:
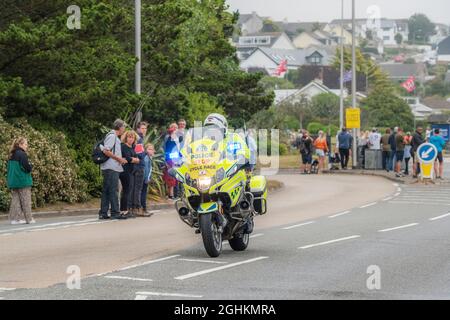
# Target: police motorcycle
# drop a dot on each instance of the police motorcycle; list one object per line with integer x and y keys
{"x": 219, "y": 195}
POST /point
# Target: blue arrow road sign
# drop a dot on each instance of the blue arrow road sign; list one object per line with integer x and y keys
{"x": 427, "y": 153}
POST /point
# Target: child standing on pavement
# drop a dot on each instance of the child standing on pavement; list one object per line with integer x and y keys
{"x": 150, "y": 152}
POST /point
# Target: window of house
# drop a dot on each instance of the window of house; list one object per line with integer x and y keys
{"x": 386, "y": 38}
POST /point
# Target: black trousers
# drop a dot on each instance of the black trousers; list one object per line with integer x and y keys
{"x": 126, "y": 179}
{"x": 136, "y": 187}
{"x": 345, "y": 154}
{"x": 385, "y": 159}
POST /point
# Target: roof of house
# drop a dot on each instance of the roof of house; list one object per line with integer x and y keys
{"x": 293, "y": 57}
{"x": 439, "y": 118}
{"x": 274, "y": 36}
{"x": 436, "y": 103}
{"x": 294, "y": 27}
{"x": 401, "y": 71}
{"x": 243, "y": 18}
{"x": 385, "y": 23}
{"x": 444, "y": 47}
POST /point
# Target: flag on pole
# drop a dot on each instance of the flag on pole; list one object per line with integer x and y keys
{"x": 348, "y": 76}
{"x": 281, "y": 69}
{"x": 410, "y": 84}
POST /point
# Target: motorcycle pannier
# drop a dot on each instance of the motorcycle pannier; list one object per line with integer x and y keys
{"x": 258, "y": 187}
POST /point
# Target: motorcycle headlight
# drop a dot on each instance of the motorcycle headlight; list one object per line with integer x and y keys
{"x": 204, "y": 183}
{"x": 220, "y": 175}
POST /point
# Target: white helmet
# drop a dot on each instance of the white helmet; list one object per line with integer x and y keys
{"x": 217, "y": 120}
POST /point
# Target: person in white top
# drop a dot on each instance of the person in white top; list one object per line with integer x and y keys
{"x": 375, "y": 140}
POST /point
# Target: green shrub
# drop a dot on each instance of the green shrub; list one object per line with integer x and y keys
{"x": 284, "y": 150}
{"x": 54, "y": 172}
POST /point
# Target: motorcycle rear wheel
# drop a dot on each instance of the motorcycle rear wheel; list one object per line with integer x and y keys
{"x": 212, "y": 238}
{"x": 240, "y": 243}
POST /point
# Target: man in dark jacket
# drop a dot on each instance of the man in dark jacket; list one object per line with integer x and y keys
{"x": 416, "y": 141}
{"x": 139, "y": 172}
{"x": 393, "y": 145}
{"x": 345, "y": 141}
{"x": 305, "y": 146}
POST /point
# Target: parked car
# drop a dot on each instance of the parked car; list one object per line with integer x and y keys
{"x": 400, "y": 58}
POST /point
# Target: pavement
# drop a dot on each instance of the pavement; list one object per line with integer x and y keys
{"x": 325, "y": 237}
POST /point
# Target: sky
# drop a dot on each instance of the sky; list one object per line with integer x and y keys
{"x": 326, "y": 10}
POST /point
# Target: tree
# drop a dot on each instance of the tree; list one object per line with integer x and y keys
{"x": 273, "y": 83}
{"x": 384, "y": 109}
{"x": 270, "y": 26}
{"x": 316, "y": 26}
{"x": 325, "y": 108}
{"x": 420, "y": 28}
{"x": 399, "y": 38}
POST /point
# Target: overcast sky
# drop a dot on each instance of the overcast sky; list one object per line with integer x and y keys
{"x": 327, "y": 10}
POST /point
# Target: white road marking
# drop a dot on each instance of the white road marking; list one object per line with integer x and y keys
{"x": 389, "y": 198}
{"x": 406, "y": 198}
{"x": 256, "y": 235}
{"x": 129, "y": 278}
{"x": 398, "y": 228}
{"x": 399, "y": 189}
{"x": 161, "y": 294}
{"x": 148, "y": 262}
{"x": 7, "y": 289}
{"x": 48, "y": 225}
{"x": 395, "y": 184}
{"x": 299, "y": 225}
{"x": 7, "y": 234}
{"x": 339, "y": 214}
{"x": 420, "y": 203}
{"x": 203, "y": 261}
{"x": 200, "y": 273}
{"x": 397, "y": 194}
{"x": 368, "y": 205}
{"x": 440, "y": 217}
{"x": 134, "y": 266}
{"x": 329, "y": 242}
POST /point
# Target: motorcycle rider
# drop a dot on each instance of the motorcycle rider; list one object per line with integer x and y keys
{"x": 215, "y": 127}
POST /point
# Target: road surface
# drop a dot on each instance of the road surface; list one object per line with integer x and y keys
{"x": 322, "y": 239}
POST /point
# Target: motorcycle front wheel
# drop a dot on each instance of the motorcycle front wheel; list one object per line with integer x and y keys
{"x": 212, "y": 238}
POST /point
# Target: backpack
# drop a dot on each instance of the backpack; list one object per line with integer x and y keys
{"x": 98, "y": 157}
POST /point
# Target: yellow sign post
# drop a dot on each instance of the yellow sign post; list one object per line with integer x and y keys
{"x": 353, "y": 118}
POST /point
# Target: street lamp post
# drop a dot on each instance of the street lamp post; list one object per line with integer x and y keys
{"x": 137, "y": 17}
{"x": 341, "y": 109}
{"x": 355, "y": 146}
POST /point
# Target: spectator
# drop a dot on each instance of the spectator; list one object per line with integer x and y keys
{"x": 400, "y": 152}
{"x": 386, "y": 151}
{"x": 150, "y": 152}
{"x": 20, "y": 182}
{"x": 253, "y": 147}
{"x": 408, "y": 140}
{"x": 363, "y": 145}
{"x": 111, "y": 170}
{"x": 181, "y": 132}
{"x": 321, "y": 149}
{"x": 375, "y": 140}
{"x": 345, "y": 141}
{"x": 438, "y": 141}
{"x": 139, "y": 169}
{"x": 129, "y": 140}
{"x": 393, "y": 144}
{"x": 417, "y": 140}
{"x": 305, "y": 147}
{"x": 172, "y": 157}
{"x": 428, "y": 134}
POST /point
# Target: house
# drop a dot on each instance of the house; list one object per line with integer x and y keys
{"x": 306, "y": 39}
{"x": 293, "y": 29}
{"x": 250, "y": 23}
{"x": 309, "y": 91}
{"x": 335, "y": 31}
{"x": 443, "y": 51}
{"x": 269, "y": 59}
{"x": 387, "y": 31}
{"x": 439, "y": 105}
{"x": 245, "y": 45}
{"x": 314, "y": 88}
{"x": 403, "y": 28}
{"x": 347, "y": 23}
{"x": 420, "y": 111}
{"x": 441, "y": 32}
{"x": 327, "y": 38}
{"x": 401, "y": 72}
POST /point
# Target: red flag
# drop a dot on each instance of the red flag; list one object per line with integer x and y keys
{"x": 409, "y": 84}
{"x": 281, "y": 69}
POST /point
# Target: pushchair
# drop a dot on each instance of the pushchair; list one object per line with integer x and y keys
{"x": 334, "y": 161}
